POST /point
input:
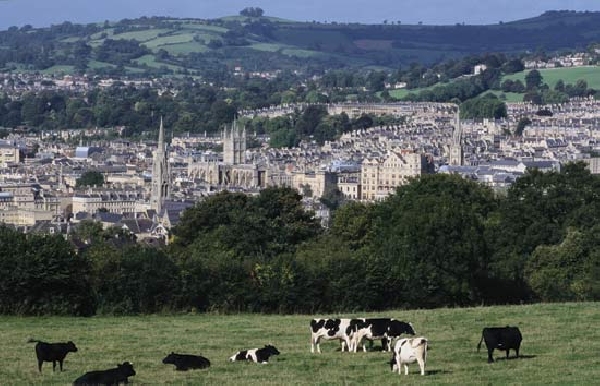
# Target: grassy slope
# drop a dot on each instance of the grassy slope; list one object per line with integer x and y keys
{"x": 560, "y": 346}
{"x": 568, "y": 74}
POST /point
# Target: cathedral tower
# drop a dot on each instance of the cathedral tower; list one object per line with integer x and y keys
{"x": 234, "y": 145}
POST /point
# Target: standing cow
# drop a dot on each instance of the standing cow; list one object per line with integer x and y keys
{"x": 329, "y": 329}
{"x": 502, "y": 338}
{"x": 52, "y": 352}
{"x": 407, "y": 351}
{"x": 386, "y": 329}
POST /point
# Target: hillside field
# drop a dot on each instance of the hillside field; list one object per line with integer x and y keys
{"x": 560, "y": 345}
{"x": 570, "y": 75}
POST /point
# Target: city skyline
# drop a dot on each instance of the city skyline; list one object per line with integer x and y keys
{"x": 429, "y": 12}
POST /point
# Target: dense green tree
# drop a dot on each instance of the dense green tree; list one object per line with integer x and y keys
{"x": 42, "y": 275}
{"x": 533, "y": 80}
{"x": 429, "y": 236}
{"x": 569, "y": 271}
{"x": 91, "y": 178}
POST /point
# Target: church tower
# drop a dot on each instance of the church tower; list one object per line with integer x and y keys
{"x": 234, "y": 145}
{"x": 160, "y": 173}
{"x": 456, "y": 151}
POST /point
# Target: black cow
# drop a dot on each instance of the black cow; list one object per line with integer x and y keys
{"x": 52, "y": 352}
{"x": 107, "y": 377}
{"x": 258, "y": 355}
{"x": 184, "y": 362}
{"x": 502, "y": 338}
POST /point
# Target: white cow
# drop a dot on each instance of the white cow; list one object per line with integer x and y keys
{"x": 407, "y": 351}
{"x": 329, "y": 329}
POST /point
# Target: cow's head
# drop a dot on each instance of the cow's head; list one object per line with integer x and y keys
{"x": 409, "y": 329}
{"x": 71, "y": 347}
{"x": 127, "y": 369}
{"x": 169, "y": 359}
{"x": 271, "y": 350}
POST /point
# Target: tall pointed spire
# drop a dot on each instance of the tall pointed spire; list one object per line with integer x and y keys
{"x": 161, "y": 136}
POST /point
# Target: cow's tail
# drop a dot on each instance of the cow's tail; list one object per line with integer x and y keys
{"x": 479, "y": 344}
{"x": 33, "y": 341}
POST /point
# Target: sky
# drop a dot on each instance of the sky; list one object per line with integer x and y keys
{"x": 43, "y": 13}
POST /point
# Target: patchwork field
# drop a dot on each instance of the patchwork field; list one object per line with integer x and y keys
{"x": 560, "y": 345}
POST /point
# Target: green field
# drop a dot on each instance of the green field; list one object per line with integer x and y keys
{"x": 591, "y": 74}
{"x": 560, "y": 346}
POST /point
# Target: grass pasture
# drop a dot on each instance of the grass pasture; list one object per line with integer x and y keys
{"x": 570, "y": 75}
{"x": 560, "y": 346}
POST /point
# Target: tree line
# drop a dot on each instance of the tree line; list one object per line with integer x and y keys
{"x": 440, "y": 240}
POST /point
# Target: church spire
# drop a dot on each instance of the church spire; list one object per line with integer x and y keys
{"x": 161, "y": 136}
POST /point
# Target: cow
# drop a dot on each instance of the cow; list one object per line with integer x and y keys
{"x": 183, "y": 362}
{"x": 52, "y": 352}
{"x": 257, "y": 355}
{"x": 329, "y": 329}
{"x": 502, "y": 338}
{"x": 386, "y": 329}
{"x": 112, "y": 376}
{"x": 407, "y": 351}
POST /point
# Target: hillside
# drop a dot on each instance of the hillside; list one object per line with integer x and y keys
{"x": 155, "y": 46}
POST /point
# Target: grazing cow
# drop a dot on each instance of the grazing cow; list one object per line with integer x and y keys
{"x": 502, "y": 338}
{"x": 407, "y": 351}
{"x": 385, "y": 329}
{"x": 52, "y": 352}
{"x": 329, "y": 329}
{"x": 183, "y": 362}
{"x": 107, "y": 377}
{"x": 257, "y": 355}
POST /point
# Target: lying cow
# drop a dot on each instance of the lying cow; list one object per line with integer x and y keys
{"x": 257, "y": 355}
{"x": 183, "y": 362}
{"x": 502, "y": 338}
{"x": 407, "y": 351}
{"x": 52, "y": 352}
{"x": 386, "y": 329}
{"x": 329, "y": 329}
{"x": 107, "y": 377}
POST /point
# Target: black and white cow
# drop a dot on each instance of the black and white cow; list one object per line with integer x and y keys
{"x": 112, "y": 376}
{"x": 183, "y": 362}
{"x": 257, "y": 355}
{"x": 502, "y": 338}
{"x": 386, "y": 329}
{"x": 52, "y": 352}
{"x": 407, "y": 351}
{"x": 329, "y": 329}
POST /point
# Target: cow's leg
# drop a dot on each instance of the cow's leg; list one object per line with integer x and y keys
{"x": 399, "y": 364}
{"x": 53, "y": 365}
{"x": 40, "y": 364}
{"x": 490, "y": 355}
{"x": 405, "y": 369}
{"x": 517, "y": 350}
{"x": 421, "y": 365}
{"x": 60, "y": 362}
{"x": 507, "y": 351}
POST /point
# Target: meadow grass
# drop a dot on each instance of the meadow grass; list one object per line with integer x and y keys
{"x": 570, "y": 75}
{"x": 561, "y": 343}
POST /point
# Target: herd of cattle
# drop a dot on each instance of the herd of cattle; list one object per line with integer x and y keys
{"x": 350, "y": 332}
{"x": 56, "y": 352}
{"x": 353, "y": 332}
